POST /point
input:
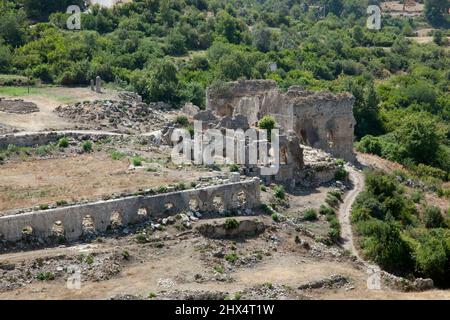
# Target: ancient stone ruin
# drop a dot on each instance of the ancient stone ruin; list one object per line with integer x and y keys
{"x": 319, "y": 119}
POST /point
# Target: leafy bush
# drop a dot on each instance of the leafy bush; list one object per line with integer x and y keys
{"x": 432, "y": 256}
{"x": 383, "y": 244}
{"x": 310, "y": 214}
{"x": 63, "y": 142}
{"x": 45, "y": 276}
{"x": 268, "y": 123}
{"x": 87, "y": 146}
{"x": 117, "y": 155}
{"x": 231, "y": 224}
{"x": 231, "y": 257}
{"x": 279, "y": 192}
{"x": 433, "y": 218}
{"x": 332, "y": 201}
{"x": 182, "y": 120}
{"x": 326, "y": 210}
{"x": 233, "y": 167}
{"x": 136, "y": 161}
{"x": 275, "y": 217}
{"x": 341, "y": 174}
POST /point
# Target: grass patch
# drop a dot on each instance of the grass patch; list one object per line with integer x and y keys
{"x": 45, "y": 276}
{"x": 231, "y": 257}
{"x": 117, "y": 155}
{"x": 219, "y": 269}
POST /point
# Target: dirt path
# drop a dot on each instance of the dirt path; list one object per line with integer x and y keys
{"x": 357, "y": 178}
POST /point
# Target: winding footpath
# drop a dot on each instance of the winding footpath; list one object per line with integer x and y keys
{"x": 357, "y": 179}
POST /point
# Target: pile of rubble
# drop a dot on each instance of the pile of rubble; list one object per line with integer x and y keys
{"x": 17, "y": 106}
{"x": 124, "y": 116}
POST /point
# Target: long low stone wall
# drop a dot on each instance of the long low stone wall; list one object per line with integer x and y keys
{"x": 43, "y": 138}
{"x": 129, "y": 210}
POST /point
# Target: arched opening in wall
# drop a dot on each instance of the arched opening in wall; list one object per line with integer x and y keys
{"x": 283, "y": 155}
{"x": 303, "y": 136}
{"x": 87, "y": 226}
{"x": 115, "y": 220}
{"x": 169, "y": 208}
{"x": 217, "y": 203}
{"x": 194, "y": 205}
{"x": 27, "y": 233}
{"x": 330, "y": 137}
{"x": 239, "y": 199}
{"x": 142, "y": 214}
{"x": 57, "y": 232}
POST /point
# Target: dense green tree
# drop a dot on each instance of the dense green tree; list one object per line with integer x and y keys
{"x": 433, "y": 218}
{"x": 419, "y": 137}
{"x": 13, "y": 28}
{"x": 157, "y": 82}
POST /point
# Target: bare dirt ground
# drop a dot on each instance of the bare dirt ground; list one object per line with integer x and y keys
{"x": 47, "y": 100}
{"x": 74, "y": 177}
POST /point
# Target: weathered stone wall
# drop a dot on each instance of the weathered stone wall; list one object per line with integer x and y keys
{"x": 43, "y": 138}
{"x": 320, "y": 119}
{"x": 71, "y": 218}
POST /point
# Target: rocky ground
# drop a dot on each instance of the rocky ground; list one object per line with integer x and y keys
{"x": 17, "y": 106}
{"x": 115, "y": 115}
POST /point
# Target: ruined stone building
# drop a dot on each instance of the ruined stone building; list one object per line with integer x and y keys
{"x": 319, "y": 119}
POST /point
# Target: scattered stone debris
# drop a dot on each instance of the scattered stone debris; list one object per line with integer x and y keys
{"x": 118, "y": 116}
{"x": 403, "y": 284}
{"x": 232, "y": 228}
{"x": 17, "y": 106}
{"x": 335, "y": 281}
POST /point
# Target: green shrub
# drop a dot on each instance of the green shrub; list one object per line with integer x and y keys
{"x": 87, "y": 146}
{"x": 61, "y": 203}
{"x": 219, "y": 269}
{"x": 433, "y": 218}
{"x": 182, "y": 120}
{"x": 334, "y": 235}
{"x": 310, "y": 215}
{"x": 416, "y": 196}
{"x": 152, "y": 295}
{"x": 326, "y": 210}
{"x": 231, "y": 257}
{"x": 341, "y": 174}
{"x": 44, "y": 207}
{"x": 117, "y": 155}
{"x": 337, "y": 194}
{"x": 267, "y": 123}
{"x": 233, "y": 167}
{"x": 162, "y": 189}
{"x": 263, "y": 188}
{"x": 45, "y": 276}
{"x": 42, "y": 151}
{"x": 370, "y": 144}
{"x": 63, "y": 142}
{"x": 332, "y": 201}
{"x": 231, "y": 224}
{"x": 136, "y": 161}
{"x": 433, "y": 257}
{"x": 279, "y": 192}
{"x": 275, "y": 217}
{"x": 383, "y": 244}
